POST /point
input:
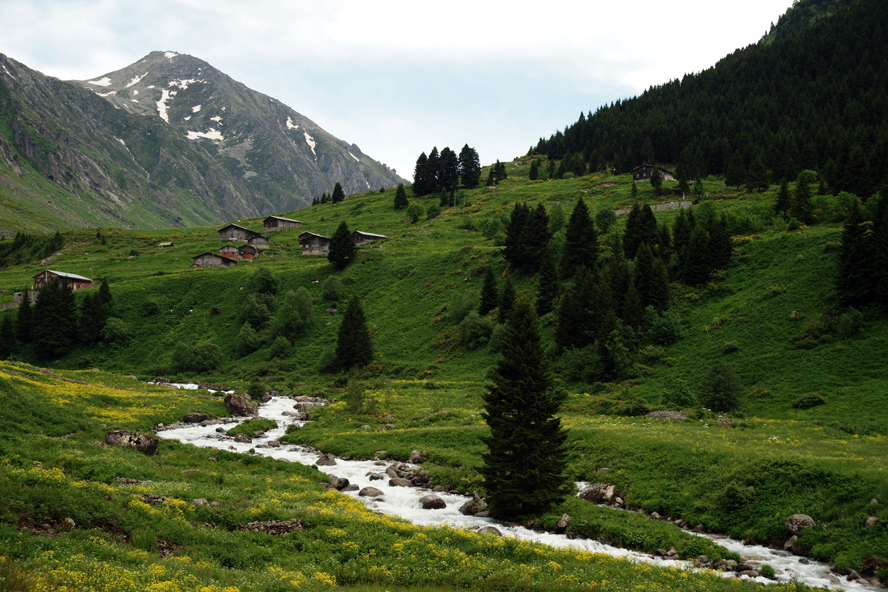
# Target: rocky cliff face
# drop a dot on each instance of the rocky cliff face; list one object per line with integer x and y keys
{"x": 167, "y": 141}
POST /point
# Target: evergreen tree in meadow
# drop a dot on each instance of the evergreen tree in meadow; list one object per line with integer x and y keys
{"x": 757, "y": 177}
{"x": 421, "y": 176}
{"x": 641, "y": 227}
{"x": 92, "y": 318}
{"x": 855, "y": 278}
{"x": 721, "y": 248}
{"x": 499, "y": 171}
{"x": 696, "y": 267}
{"x": 534, "y": 169}
{"x": 536, "y": 237}
{"x": 489, "y": 293}
{"x": 526, "y": 456}
{"x": 469, "y": 167}
{"x": 783, "y": 203}
{"x": 342, "y": 248}
{"x": 801, "y": 200}
{"x": 338, "y": 193}
{"x": 8, "y": 340}
{"x": 506, "y": 300}
{"x": 633, "y": 311}
{"x": 353, "y": 345}
{"x": 656, "y": 180}
{"x": 576, "y": 315}
{"x": 401, "y": 197}
{"x": 24, "y": 320}
{"x": 433, "y": 169}
{"x": 491, "y": 180}
{"x": 515, "y": 250}
{"x": 55, "y": 321}
{"x": 580, "y": 240}
{"x": 105, "y": 297}
{"x": 857, "y": 174}
{"x": 547, "y": 283}
{"x": 448, "y": 171}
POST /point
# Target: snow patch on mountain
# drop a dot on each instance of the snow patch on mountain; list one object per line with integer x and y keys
{"x": 291, "y": 125}
{"x": 310, "y": 141}
{"x": 7, "y": 71}
{"x": 353, "y": 156}
{"x": 195, "y": 109}
{"x": 101, "y": 82}
{"x": 187, "y": 118}
{"x": 216, "y": 118}
{"x": 136, "y": 80}
{"x": 170, "y": 55}
{"x": 111, "y": 92}
{"x": 162, "y": 106}
{"x": 211, "y": 134}
{"x": 183, "y": 84}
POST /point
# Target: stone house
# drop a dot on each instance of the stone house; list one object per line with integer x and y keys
{"x": 643, "y": 172}
{"x": 279, "y": 223}
{"x": 74, "y": 281}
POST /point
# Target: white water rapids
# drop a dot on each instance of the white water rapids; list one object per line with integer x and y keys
{"x": 404, "y": 501}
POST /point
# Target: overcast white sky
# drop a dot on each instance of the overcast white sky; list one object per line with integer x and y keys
{"x": 398, "y": 77}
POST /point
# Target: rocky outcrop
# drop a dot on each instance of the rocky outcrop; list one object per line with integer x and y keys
{"x": 326, "y": 460}
{"x": 240, "y": 405}
{"x": 274, "y": 527}
{"x": 473, "y": 506}
{"x": 141, "y": 442}
{"x": 799, "y": 522}
{"x": 243, "y": 438}
{"x": 194, "y": 417}
{"x": 599, "y": 493}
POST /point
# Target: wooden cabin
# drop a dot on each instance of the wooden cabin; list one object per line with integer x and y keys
{"x": 248, "y": 252}
{"x": 362, "y": 238}
{"x": 314, "y": 244}
{"x": 258, "y": 241}
{"x": 235, "y": 232}
{"x": 643, "y": 172}
{"x": 279, "y": 223}
{"x": 212, "y": 260}
{"x": 74, "y": 281}
{"x": 229, "y": 251}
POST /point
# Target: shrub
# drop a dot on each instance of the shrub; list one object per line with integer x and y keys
{"x": 280, "y": 348}
{"x": 832, "y": 247}
{"x": 247, "y": 341}
{"x": 415, "y": 211}
{"x": 150, "y": 308}
{"x": 634, "y": 408}
{"x": 254, "y": 313}
{"x": 256, "y": 390}
{"x": 475, "y": 330}
{"x": 263, "y": 281}
{"x": 497, "y": 338}
{"x": 793, "y": 224}
{"x": 116, "y": 331}
{"x": 459, "y": 308}
{"x": 207, "y": 356}
{"x": 849, "y": 323}
{"x": 808, "y": 401}
{"x": 332, "y": 289}
{"x": 294, "y": 315}
{"x": 432, "y": 212}
{"x": 665, "y": 326}
{"x": 605, "y": 219}
{"x": 679, "y": 394}
{"x": 651, "y": 353}
{"x": 721, "y": 388}
{"x": 767, "y": 571}
{"x": 327, "y": 359}
{"x": 730, "y": 347}
{"x": 183, "y": 357}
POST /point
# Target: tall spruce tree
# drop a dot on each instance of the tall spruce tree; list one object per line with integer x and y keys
{"x": 342, "y": 248}
{"x": 526, "y": 456}
{"x": 656, "y": 180}
{"x": 534, "y": 169}
{"x": 401, "y": 197}
{"x": 469, "y": 167}
{"x": 489, "y": 293}
{"x": 433, "y": 169}
{"x": 506, "y": 300}
{"x": 421, "y": 176}
{"x": 695, "y": 261}
{"x": 448, "y": 171}
{"x": 8, "y": 340}
{"x": 515, "y": 250}
{"x": 757, "y": 177}
{"x": 783, "y": 202}
{"x": 855, "y": 278}
{"x": 55, "y": 321}
{"x": 547, "y": 283}
{"x": 353, "y": 345}
{"x": 580, "y": 240}
{"x": 338, "y": 193}
{"x": 24, "y": 320}
{"x": 801, "y": 199}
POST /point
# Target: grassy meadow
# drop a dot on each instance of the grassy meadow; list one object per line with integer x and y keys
{"x": 769, "y": 315}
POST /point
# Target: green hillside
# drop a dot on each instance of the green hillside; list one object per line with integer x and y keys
{"x": 808, "y": 434}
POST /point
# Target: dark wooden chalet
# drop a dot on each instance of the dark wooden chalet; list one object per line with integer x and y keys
{"x": 314, "y": 244}
{"x": 643, "y": 172}
{"x": 279, "y": 223}
{"x": 362, "y": 238}
{"x": 248, "y": 252}
{"x": 212, "y": 260}
{"x": 235, "y": 232}
{"x": 259, "y": 241}
{"x": 74, "y": 281}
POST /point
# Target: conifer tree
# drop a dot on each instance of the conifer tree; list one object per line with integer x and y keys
{"x": 105, "y": 297}
{"x": 448, "y": 171}
{"x": 534, "y": 169}
{"x": 855, "y": 277}
{"x": 24, "y": 321}
{"x": 342, "y": 248}
{"x": 8, "y": 340}
{"x": 576, "y": 315}
{"x": 401, "y": 197}
{"x": 656, "y": 180}
{"x": 536, "y": 236}
{"x": 580, "y": 240}
{"x": 857, "y": 174}
{"x": 420, "y": 176}
{"x": 92, "y": 318}
{"x": 757, "y": 177}
{"x": 801, "y": 200}
{"x": 633, "y": 311}
{"x": 524, "y": 465}
{"x": 499, "y": 171}
{"x": 491, "y": 180}
{"x": 433, "y": 167}
{"x": 489, "y": 293}
{"x": 696, "y": 266}
{"x": 515, "y": 250}
{"x": 353, "y": 345}
{"x": 469, "y": 167}
{"x": 783, "y": 203}
{"x": 55, "y": 321}
{"x": 721, "y": 249}
{"x": 547, "y": 283}
{"x": 338, "y": 193}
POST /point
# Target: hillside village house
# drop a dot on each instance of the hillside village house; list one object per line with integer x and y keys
{"x": 248, "y": 252}
{"x": 643, "y": 172}
{"x": 314, "y": 244}
{"x": 362, "y": 238}
{"x": 212, "y": 260}
{"x": 259, "y": 241}
{"x": 235, "y": 232}
{"x": 74, "y": 281}
{"x": 229, "y": 251}
{"x": 279, "y": 223}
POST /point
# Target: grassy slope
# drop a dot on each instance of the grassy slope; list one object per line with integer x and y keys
{"x": 820, "y": 461}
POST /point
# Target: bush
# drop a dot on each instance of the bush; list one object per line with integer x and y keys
{"x": 721, "y": 388}
{"x": 497, "y": 338}
{"x": 665, "y": 326}
{"x": 634, "y": 408}
{"x": 808, "y": 401}
{"x": 432, "y": 212}
{"x": 327, "y": 359}
{"x": 475, "y": 330}
{"x": 256, "y": 390}
{"x": 151, "y": 307}
{"x": 849, "y": 323}
{"x": 247, "y": 341}
{"x": 459, "y": 308}
{"x": 116, "y": 331}
{"x": 280, "y": 348}
{"x": 183, "y": 357}
{"x": 332, "y": 289}
{"x": 730, "y": 347}
{"x": 415, "y": 212}
{"x": 294, "y": 315}
{"x": 262, "y": 281}
{"x": 679, "y": 395}
{"x": 207, "y": 356}
{"x": 767, "y": 571}
{"x": 605, "y": 219}
{"x": 254, "y": 313}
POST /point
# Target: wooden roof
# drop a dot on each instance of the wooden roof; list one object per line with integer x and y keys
{"x": 72, "y": 276}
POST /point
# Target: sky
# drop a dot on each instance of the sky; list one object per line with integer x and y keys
{"x": 398, "y": 77}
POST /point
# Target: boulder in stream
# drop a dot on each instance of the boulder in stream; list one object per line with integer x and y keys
{"x": 399, "y": 482}
{"x": 490, "y": 530}
{"x": 432, "y": 502}
{"x": 326, "y": 460}
{"x": 371, "y": 492}
{"x": 240, "y": 405}
{"x": 473, "y": 506}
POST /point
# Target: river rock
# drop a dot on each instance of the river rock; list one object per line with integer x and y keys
{"x": 240, "y": 405}
{"x": 399, "y": 482}
{"x": 599, "y": 493}
{"x": 371, "y": 492}
{"x": 243, "y": 438}
{"x": 655, "y": 516}
{"x": 790, "y": 542}
{"x": 872, "y": 565}
{"x": 326, "y": 460}
{"x": 392, "y": 473}
{"x": 141, "y": 442}
{"x": 415, "y": 457}
{"x": 266, "y": 396}
{"x": 352, "y": 487}
{"x": 490, "y": 530}
{"x": 871, "y": 521}
{"x": 473, "y": 506}
{"x": 194, "y": 417}
{"x": 376, "y": 476}
{"x": 799, "y": 522}
{"x": 339, "y": 483}
{"x": 200, "y": 502}
{"x": 432, "y": 502}
{"x": 562, "y": 524}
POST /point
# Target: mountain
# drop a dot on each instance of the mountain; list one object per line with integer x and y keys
{"x": 806, "y": 100}
{"x": 167, "y": 141}
{"x": 802, "y": 14}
